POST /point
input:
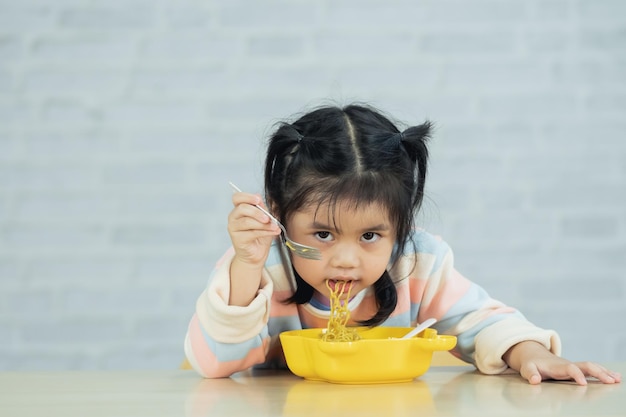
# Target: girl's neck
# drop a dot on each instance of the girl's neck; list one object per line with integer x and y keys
{"x": 319, "y": 300}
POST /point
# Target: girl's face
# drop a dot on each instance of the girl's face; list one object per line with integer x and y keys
{"x": 356, "y": 245}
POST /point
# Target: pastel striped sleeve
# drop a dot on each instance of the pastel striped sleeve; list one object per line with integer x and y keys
{"x": 223, "y": 339}
{"x": 485, "y": 327}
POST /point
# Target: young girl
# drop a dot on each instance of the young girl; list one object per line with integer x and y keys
{"x": 347, "y": 182}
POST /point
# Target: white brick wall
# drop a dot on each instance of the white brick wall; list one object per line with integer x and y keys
{"x": 122, "y": 121}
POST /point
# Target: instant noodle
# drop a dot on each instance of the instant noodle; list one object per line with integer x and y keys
{"x": 336, "y": 330}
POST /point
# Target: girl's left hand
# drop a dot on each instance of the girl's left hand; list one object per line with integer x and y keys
{"x": 535, "y": 363}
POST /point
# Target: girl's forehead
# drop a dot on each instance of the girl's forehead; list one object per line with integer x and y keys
{"x": 334, "y": 211}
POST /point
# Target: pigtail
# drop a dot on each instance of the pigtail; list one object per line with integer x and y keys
{"x": 386, "y": 297}
{"x": 414, "y": 140}
{"x": 280, "y": 150}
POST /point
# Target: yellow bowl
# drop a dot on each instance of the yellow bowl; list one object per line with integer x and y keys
{"x": 380, "y": 356}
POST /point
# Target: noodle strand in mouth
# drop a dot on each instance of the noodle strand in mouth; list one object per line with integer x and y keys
{"x": 336, "y": 331}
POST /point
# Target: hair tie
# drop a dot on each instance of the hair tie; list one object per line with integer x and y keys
{"x": 296, "y": 133}
{"x": 397, "y": 139}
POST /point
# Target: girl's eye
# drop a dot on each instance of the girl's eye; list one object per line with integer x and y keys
{"x": 324, "y": 236}
{"x": 370, "y": 236}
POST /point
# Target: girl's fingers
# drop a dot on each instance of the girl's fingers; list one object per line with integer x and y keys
{"x": 616, "y": 376}
{"x": 578, "y": 375}
{"x": 249, "y": 224}
{"x": 600, "y": 372}
{"x": 565, "y": 370}
{"x": 246, "y": 198}
{"x": 530, "y": 373}
{"x": 251, "y": 231}
{"x": 579, "y": 372}
{"x": 248, "y": 210}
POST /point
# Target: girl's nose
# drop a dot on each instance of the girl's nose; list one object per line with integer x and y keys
{"x": 345, "y": 256}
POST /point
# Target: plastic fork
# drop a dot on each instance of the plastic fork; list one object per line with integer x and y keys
{"x": 425, "y": 324}
{"x": 302, "y": 251}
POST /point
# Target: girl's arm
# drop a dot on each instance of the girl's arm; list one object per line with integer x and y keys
{"x": 252, "y": 233}
{"x": 485, "y": 328}
{"x": 223, "y": 339}
{"x": 490, "y": 334}
{"x": 229, "y": 332}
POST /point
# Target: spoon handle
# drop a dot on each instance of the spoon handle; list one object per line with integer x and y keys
{"x": 425, "y": 324}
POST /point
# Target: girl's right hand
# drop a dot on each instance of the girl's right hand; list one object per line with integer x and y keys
{"x": 251, "y": 231}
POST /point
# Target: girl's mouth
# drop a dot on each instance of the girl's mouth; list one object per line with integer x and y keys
{"x": 340, "y": 286}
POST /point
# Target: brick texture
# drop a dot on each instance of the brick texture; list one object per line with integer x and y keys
{"x": 121, "y": 123}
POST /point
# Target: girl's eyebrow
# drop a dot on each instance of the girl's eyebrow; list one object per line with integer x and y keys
{"x": 318, "y": 225}
{"x": 377, "y": 228}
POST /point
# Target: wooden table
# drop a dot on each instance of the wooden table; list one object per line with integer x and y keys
{"x": 442, "y": 391}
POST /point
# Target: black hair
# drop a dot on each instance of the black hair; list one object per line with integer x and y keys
{"x": 355, "y": 154}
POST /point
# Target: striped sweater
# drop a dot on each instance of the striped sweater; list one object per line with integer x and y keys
{"x": 223, "y": 339}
